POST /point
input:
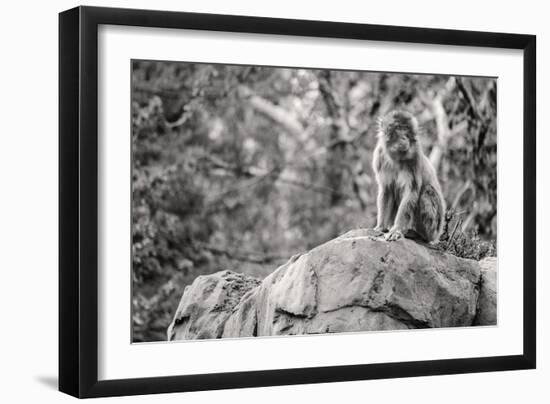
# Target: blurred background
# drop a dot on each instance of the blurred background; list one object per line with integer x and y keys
{"x": 241, "y": 167}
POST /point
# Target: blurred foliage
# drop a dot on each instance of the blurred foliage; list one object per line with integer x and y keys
{"x": 240, "y": 167}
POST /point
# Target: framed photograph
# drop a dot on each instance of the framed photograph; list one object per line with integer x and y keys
{"x": 251, "y": 201}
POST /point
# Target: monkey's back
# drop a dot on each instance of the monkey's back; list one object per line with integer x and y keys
{"x": 431, "y": 204}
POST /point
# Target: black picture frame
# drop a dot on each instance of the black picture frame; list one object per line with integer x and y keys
{"x": 78, "y": 200}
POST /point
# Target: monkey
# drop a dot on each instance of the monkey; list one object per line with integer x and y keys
{"x": 410, "y": 201}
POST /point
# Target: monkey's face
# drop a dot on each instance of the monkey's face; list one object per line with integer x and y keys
{"x": 400, "y": 144}
{"x": 398, "y": 132}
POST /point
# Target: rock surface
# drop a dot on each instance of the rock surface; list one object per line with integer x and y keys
{"x": 207, "y": 304}
{"x": 487, "y": 302}
{"x": 356, "y": 282}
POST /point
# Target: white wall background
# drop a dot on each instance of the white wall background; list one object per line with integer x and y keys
{"x": 28, "y": 206}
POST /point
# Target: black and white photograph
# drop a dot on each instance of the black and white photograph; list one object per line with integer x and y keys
{"x": 275, "y": 202}
{"x": 279, "y": 201}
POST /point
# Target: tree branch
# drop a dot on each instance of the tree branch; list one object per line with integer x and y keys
{"x": 469, "y": 99}
{"x": 277, "y": 114}
{"x": 341, "y": 136}
{"x": 336, "y": 110}
{"x": 261, "y": 174}
{"x": 441, "y": 123}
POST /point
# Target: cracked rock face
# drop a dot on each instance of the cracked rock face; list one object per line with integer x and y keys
{"x": 487, "y": 302}
{"x": 207, "y": 304}
{"x": 356, "y": 282}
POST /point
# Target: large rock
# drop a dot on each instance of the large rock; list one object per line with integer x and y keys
{"x": 207, "y": 304}
{"x": 356, "y": 282}
{"x": 487, "y": 302}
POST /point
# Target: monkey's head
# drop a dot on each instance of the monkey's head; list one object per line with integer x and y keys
{"x": 398, "y": 133}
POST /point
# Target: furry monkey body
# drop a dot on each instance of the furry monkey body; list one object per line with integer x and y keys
{"x": 410, "y": 201}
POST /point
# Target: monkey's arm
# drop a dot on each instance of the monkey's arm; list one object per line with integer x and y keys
{"x": 405, "y": 214}
{"x": 384, "y": 201}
